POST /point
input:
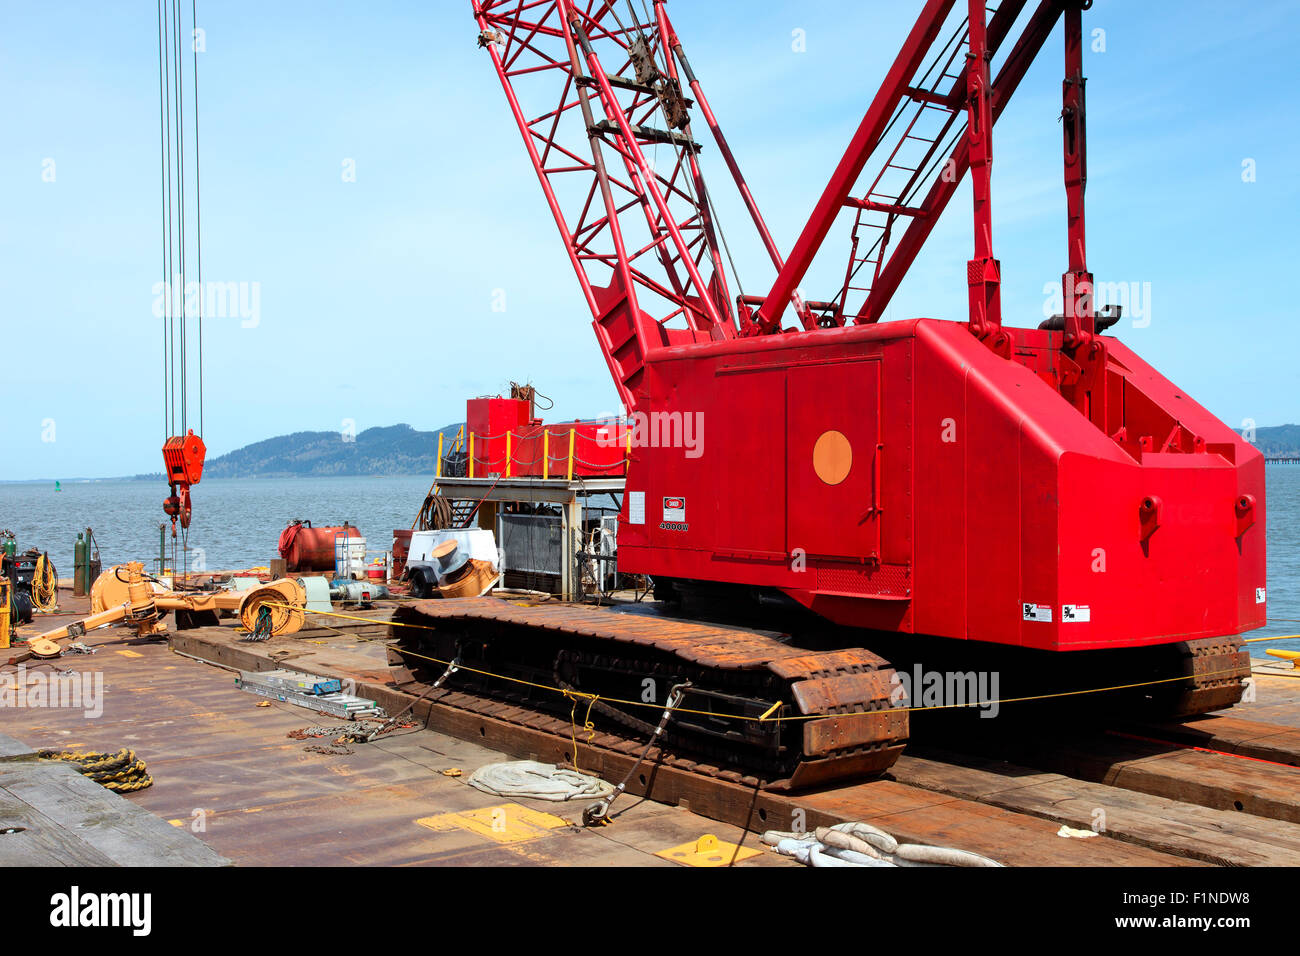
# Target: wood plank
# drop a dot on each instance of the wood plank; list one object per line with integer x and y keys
{"x": 11, "y": 749}
{"x": 40, "y": 841}
{"x": 1219, "y": 781}
{"x": 1223, "y": 783}
{"x": 1225, "y": 838}
{"x": 1248, "y": 738}
{"x": 80, "y": 815}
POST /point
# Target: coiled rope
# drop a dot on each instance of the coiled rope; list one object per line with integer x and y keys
{"x": 45, "y": 586}
{"x": 121, "y": 772}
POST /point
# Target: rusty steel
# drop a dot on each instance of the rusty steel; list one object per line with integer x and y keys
{"x": 862, "y": 734}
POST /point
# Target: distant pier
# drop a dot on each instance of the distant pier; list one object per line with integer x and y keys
{"x": 1284, "y": 460}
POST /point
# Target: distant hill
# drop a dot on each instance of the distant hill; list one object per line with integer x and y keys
{"x": 1278, "y": 441}
{"x": 401, "y": 450}
{"x": 392, "y": 450}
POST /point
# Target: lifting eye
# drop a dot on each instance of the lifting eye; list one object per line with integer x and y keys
{"x": 1149, "y": 515}
{"x": 1245, "y": 507}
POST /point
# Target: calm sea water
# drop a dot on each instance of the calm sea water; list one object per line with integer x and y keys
{"x": 237, "y": 522}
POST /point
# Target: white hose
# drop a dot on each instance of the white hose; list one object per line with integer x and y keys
{"x": 799, "y": 849}
{"x": 878, "y": 838}
{"x": 860, "y": 844}
{"x": 818, "y": 856}
{"x": 857, "y": 859}
{"x": 846, "y": 841}
{"x": 942, "y": 855}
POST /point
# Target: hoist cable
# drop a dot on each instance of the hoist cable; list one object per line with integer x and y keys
{"x": 165, "y": 106}
{"x": 175, "y": 314}
{"x": 198, "y": 213}
{"x": 162, "y": 161}
{"x": 180, "y": 205}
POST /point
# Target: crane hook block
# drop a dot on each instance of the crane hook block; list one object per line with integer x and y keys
{"x": 183, "y": 457}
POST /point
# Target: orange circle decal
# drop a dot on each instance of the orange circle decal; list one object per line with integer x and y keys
{"x": 832, "y": 457}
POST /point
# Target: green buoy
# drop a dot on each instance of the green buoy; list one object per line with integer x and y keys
{"x": 56, "y": 487}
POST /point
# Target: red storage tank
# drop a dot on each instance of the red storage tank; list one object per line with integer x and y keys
{"x": 305, "y": 548}
{"x": 401, "y": 548}
{"x": 600, "y": 446}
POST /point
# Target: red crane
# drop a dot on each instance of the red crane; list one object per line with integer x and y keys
{"x": 967, "y": 487}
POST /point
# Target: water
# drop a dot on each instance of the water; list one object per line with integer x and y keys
{"x": 1282, "y": 483}
{"x": 237, "y": 522}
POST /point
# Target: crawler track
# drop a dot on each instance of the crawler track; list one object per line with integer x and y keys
{"x": 846, "y": 729}
{"x": 1218, "y": 665}
{"x": 839, "y": 721}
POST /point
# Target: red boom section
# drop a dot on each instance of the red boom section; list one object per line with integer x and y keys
{"x": 605, "y": 122}
{"x": 929, "y": 124}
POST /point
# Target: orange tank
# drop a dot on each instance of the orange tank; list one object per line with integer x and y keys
{"x": 305, "y": 548}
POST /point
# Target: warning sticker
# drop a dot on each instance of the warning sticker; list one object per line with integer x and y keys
{"x": 636, "y": 507}
{"x": 1259, "y": 595}
{"x": 674, "y": 509}
{"x": 1037, "y": 612}
{"x": 1075, "y": 613}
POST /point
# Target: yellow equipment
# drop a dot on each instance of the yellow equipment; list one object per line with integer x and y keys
{"x": 140, "y": 605}
{"x": 4, "y": 612}
{"x": 1292, "y": 656}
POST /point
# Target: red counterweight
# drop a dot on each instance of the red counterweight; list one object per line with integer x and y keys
{"x": 183, "y": 458}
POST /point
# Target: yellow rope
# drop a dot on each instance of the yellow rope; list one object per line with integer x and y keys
{"x": 712, "y": 713}
{"x": 588, "y": 727}
{"x": 45, "y": 586}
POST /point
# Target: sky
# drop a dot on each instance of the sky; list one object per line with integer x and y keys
{"x": 379, "y": 299}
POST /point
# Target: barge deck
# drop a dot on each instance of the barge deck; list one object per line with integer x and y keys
{"x": 225, "y": 770}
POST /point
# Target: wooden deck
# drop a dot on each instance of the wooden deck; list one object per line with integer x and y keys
{"x": 226, "y": 772}
{"x": 51, "y": 815}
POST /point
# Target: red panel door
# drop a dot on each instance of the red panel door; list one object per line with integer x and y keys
{"x": 833, "y": 469}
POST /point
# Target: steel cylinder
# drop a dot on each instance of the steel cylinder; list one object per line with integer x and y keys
{"x": 305, "y": 548}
